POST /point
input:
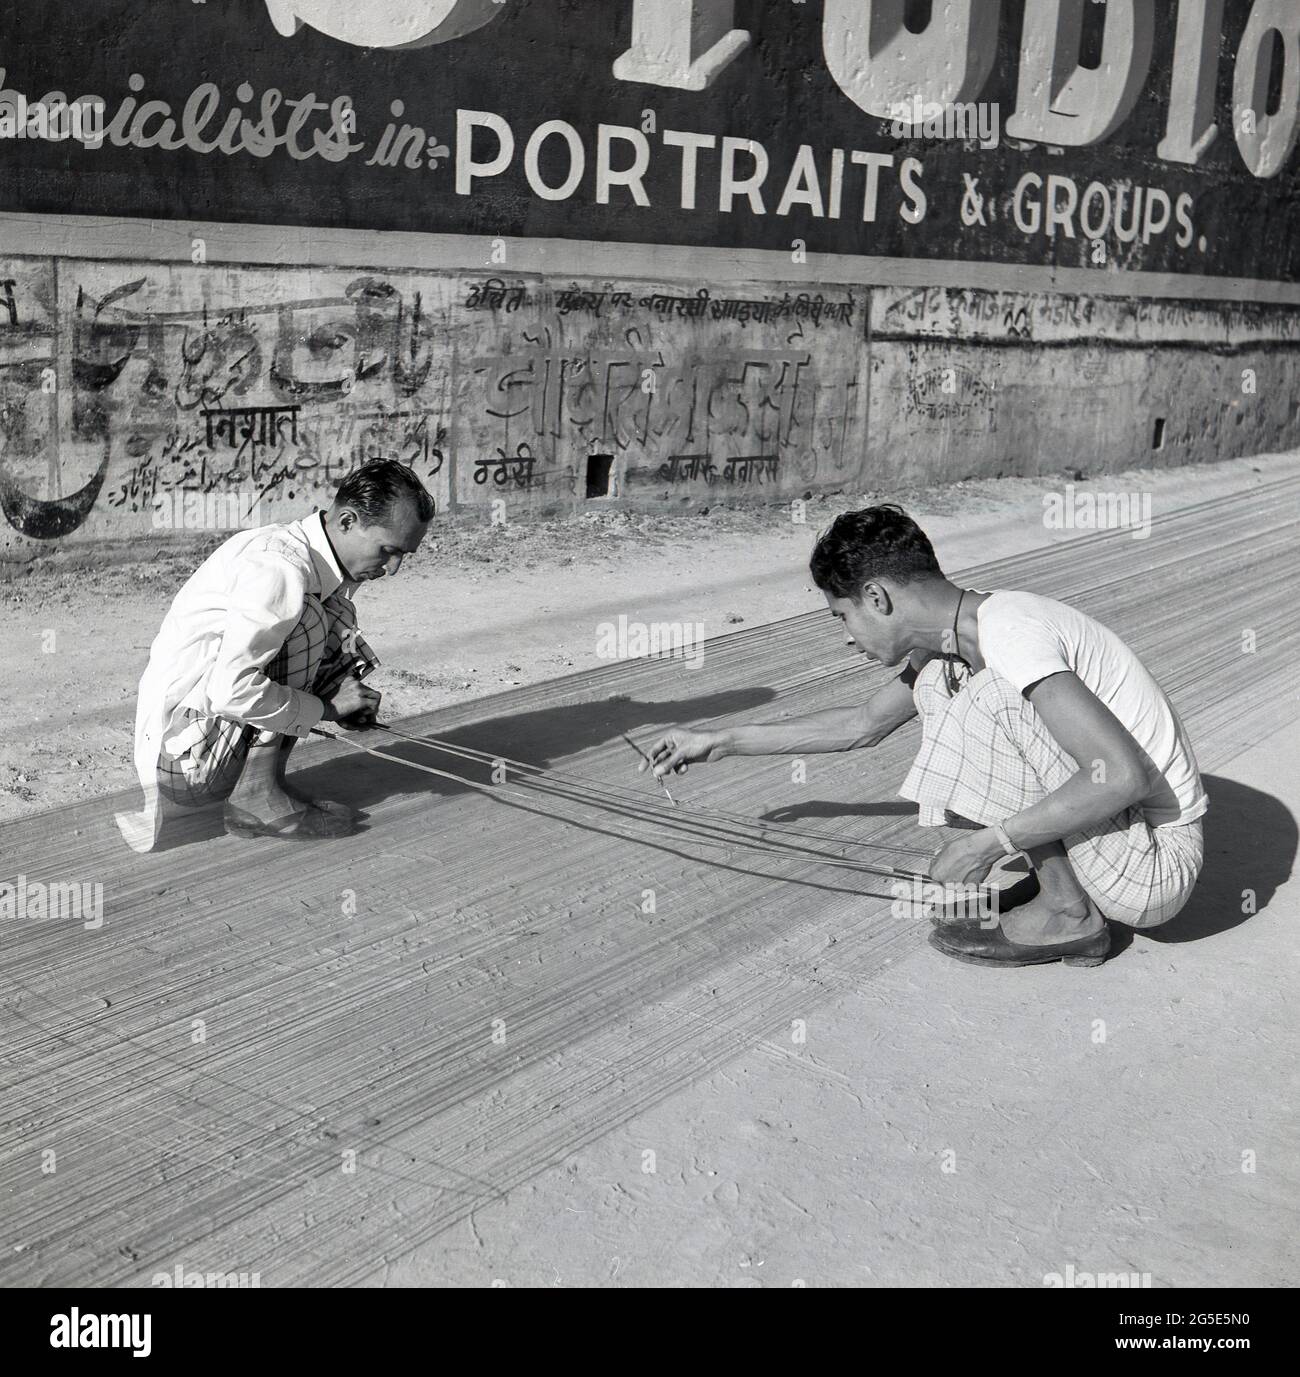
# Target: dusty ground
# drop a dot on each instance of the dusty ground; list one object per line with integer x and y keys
{"x": 944, "y": 1125}
{"x": 478, "y": 610}
{"x": 939, "y": 1125}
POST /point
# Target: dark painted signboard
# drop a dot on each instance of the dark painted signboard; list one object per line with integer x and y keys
{"x": 1140, "y": 133}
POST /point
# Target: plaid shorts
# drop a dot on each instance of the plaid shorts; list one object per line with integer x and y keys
{"x": 987, "y": 755}
{"x": 322, "y": 648}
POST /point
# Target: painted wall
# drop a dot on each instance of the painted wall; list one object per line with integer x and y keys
{"x": 756, "y": 251}
{"x": 970, "y": 383}
{"x": 128, "y": 386}
{"x": 1135, "y": 133}
{"x": 272, "y": 383}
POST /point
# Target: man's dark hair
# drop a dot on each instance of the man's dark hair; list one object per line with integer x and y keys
{"x": 376, "y": 488}
{"x": 877, "y": 542}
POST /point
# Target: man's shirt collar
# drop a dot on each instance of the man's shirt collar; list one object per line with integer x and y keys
{"x": 328, "y": 569}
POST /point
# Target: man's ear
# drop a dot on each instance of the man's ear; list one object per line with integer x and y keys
{"x": 345, "y": 519}
{"x": 877, "y": 595}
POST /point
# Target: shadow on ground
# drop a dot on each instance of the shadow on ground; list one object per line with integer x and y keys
{"x": 537, "y": 737}
{"x": 1250, "y": 848}
{"x": 1251, "y": 840}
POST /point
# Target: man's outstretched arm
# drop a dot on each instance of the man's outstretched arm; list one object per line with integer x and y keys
{"x": 836, "y": 729}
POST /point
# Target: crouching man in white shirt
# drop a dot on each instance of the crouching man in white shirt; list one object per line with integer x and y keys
{"x": 1037, "y": 723}
{"x": 260, "y": 646}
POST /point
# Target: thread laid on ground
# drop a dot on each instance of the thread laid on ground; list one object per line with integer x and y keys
{"x": 697, "y": 827}
{"x": 601, "y": 787}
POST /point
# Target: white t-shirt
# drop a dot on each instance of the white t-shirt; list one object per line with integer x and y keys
{"x": 1024, "y": 638}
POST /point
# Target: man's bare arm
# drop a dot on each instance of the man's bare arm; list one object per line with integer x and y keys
{"x": 1111, "y": 776}
{"x": 836, "y": 729}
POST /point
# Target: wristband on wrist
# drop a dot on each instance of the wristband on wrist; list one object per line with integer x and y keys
{"x": 1004, "y": 840}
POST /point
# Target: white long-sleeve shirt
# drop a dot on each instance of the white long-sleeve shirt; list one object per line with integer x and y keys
{"x": 223, "y": 628}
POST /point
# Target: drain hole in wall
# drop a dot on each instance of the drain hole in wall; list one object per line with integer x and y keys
{"x": 1158, "y": 435}
{"x": 598, "y": 469}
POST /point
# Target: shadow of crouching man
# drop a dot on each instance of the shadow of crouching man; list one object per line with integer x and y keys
{"x": 1250, "y": 848}
{"x": 538, "y": 736}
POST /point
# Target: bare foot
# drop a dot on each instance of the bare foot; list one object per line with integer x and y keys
{"x": 1051, "y": 918}
{"x": 300, "y": 796}
{"x": 326, "y": 805}
{"x": 267, "y": 804}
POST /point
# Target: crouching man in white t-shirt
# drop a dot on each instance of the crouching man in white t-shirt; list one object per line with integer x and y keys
{"x": 1038, "y": 724}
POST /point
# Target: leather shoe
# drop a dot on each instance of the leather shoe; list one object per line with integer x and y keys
{"x": 992, "y": 947}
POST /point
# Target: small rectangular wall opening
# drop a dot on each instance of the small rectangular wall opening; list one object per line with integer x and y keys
{"x": 1158, "y": 434}
{"x": 598, "y": 473}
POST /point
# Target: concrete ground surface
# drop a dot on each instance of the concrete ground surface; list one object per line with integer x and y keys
{"x": 769, "y": 1081}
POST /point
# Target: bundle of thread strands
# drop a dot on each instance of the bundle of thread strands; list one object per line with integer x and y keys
{"x": 640, "y": 817}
